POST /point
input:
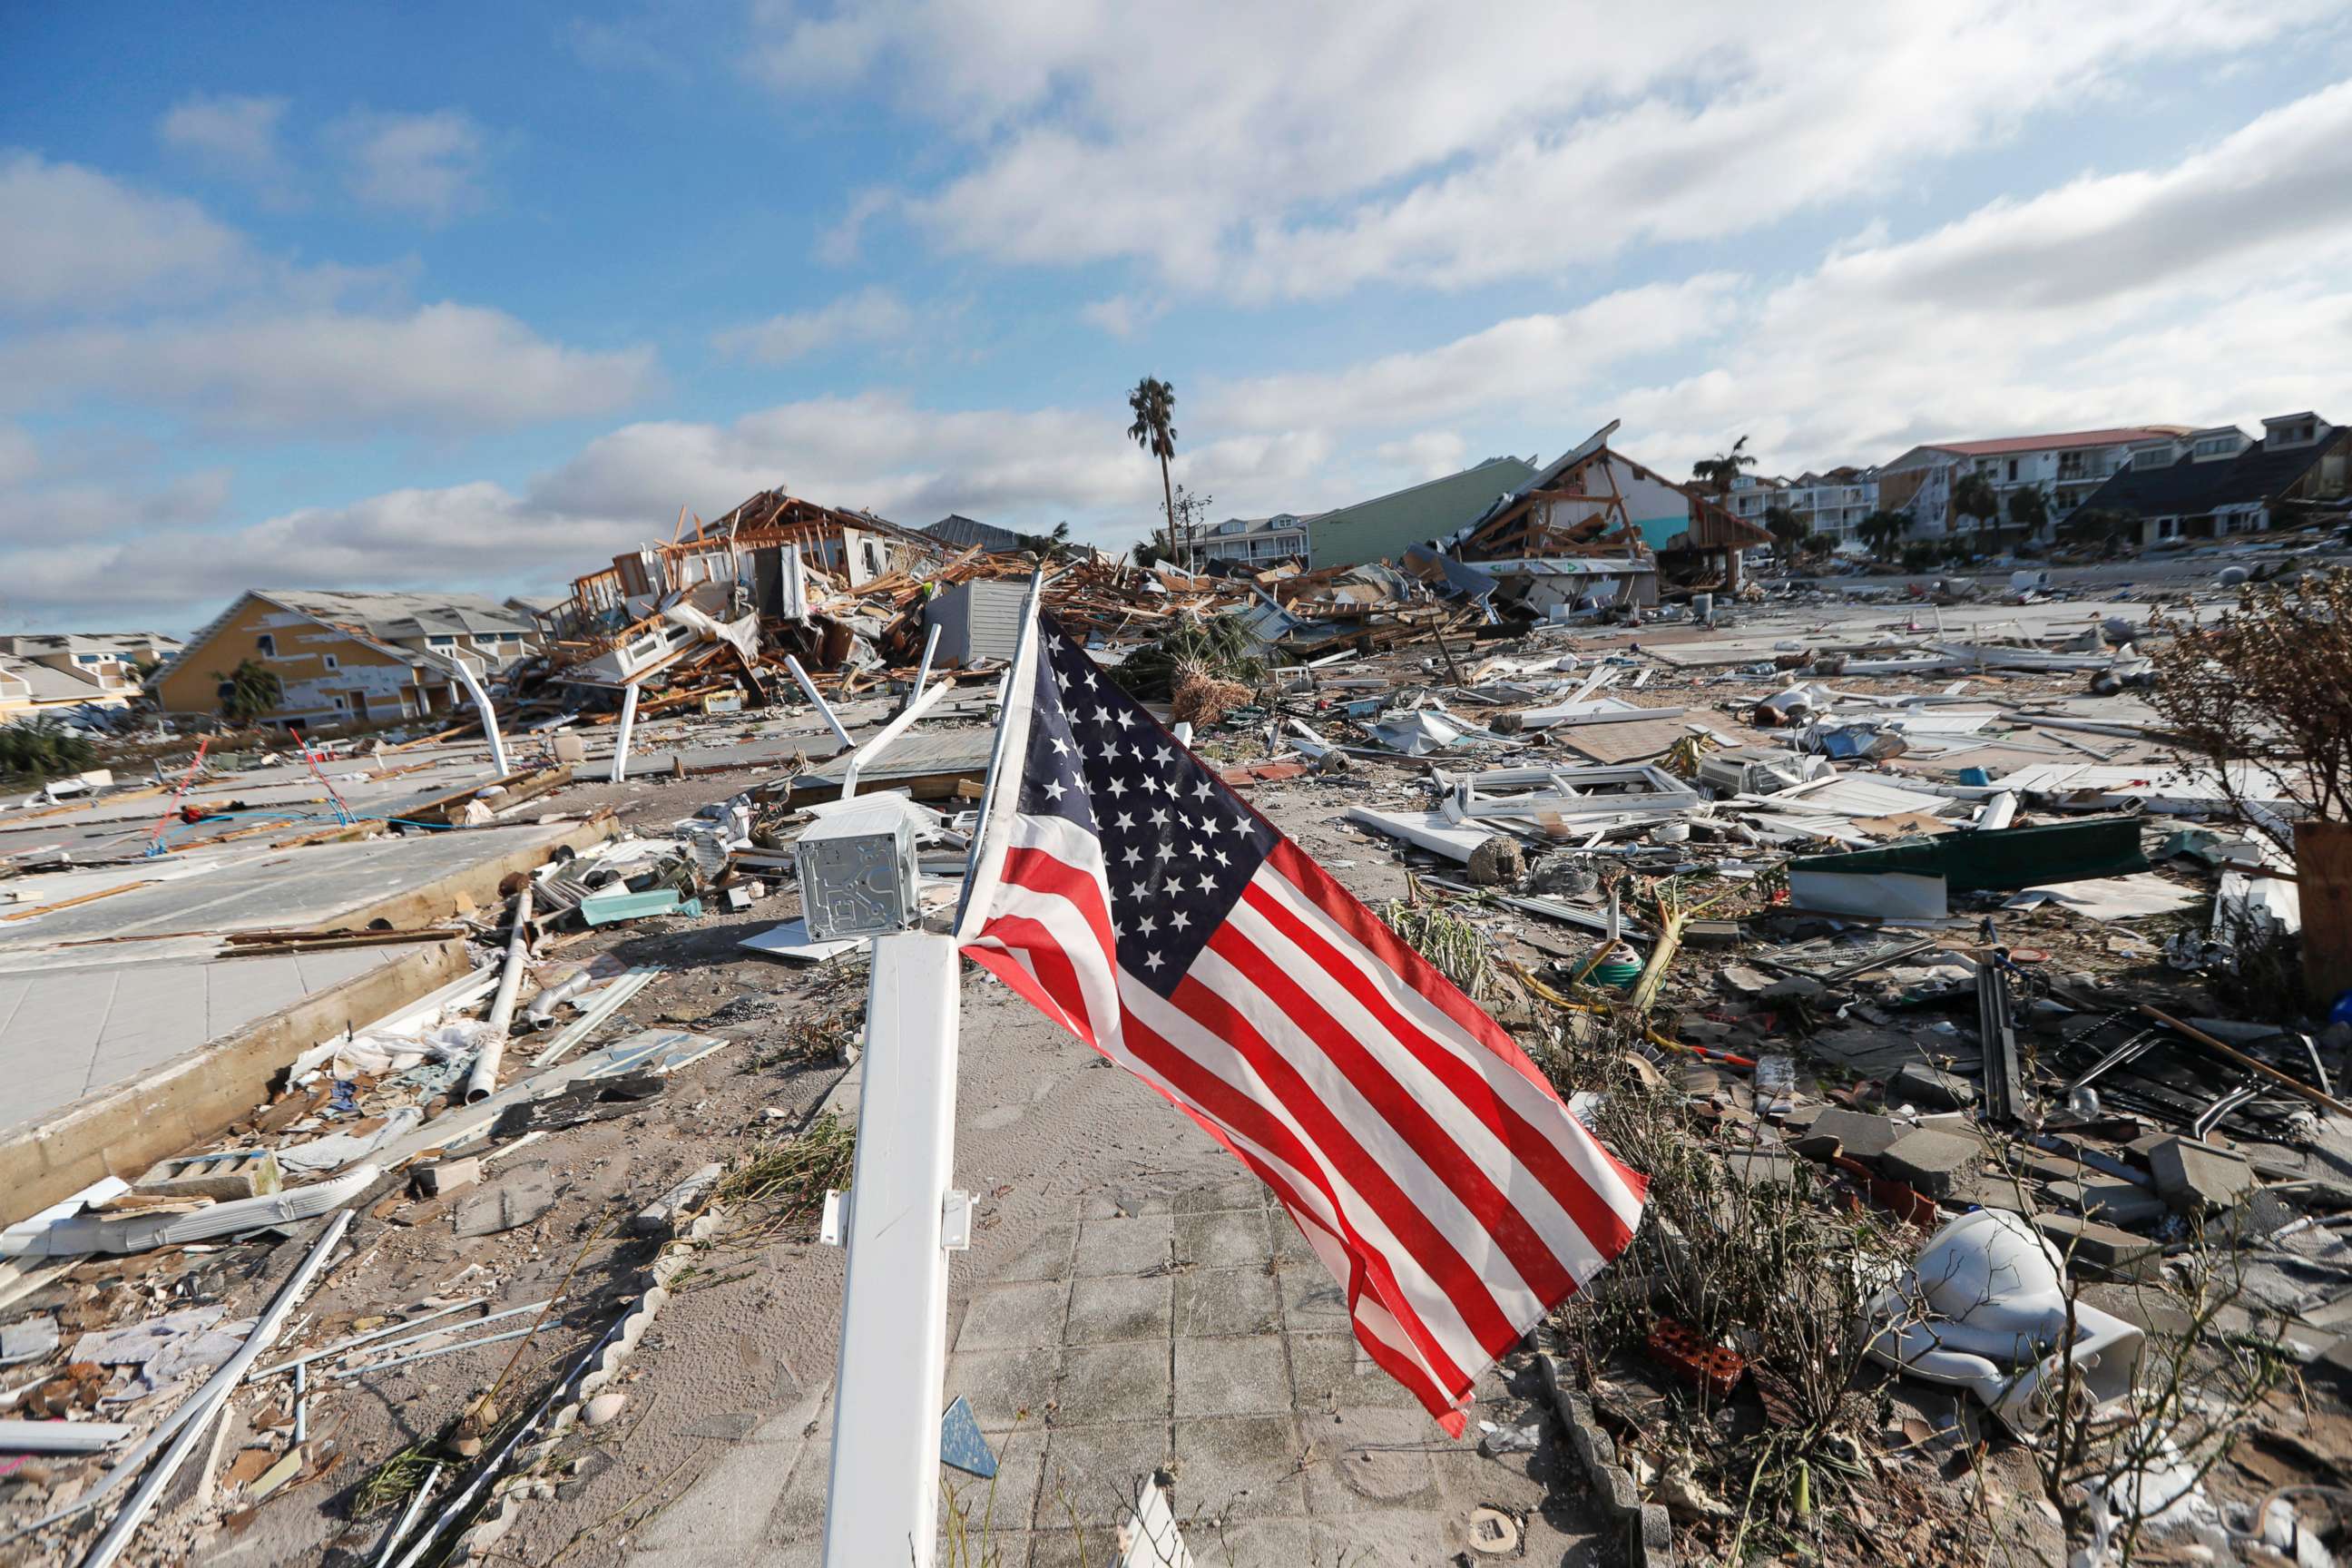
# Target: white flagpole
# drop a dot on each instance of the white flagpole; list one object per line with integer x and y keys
{"x": 1012, "y": 715}
{"x": 883, "y": 1493}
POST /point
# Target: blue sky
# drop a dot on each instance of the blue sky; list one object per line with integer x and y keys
{"x": 475, "y": 297}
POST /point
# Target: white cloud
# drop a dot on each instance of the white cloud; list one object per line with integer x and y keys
{"x": 1426, "y": 454}
{"x": 20, "y": 456}
{"x": 875, "y": 450}
{"x": 1528, "y": 359}
{"x": 1300, "y": 150}
{"x": 1122, "y": 315}
{"x": 838, "y": 245}
{"x": 443, "y": 366}
{"x": 79, "y": 241}
{"x": 181, "y": 312}
{"x": 2213, "y": 289}
{"x": 869, "y": 316}
{"x": 231, "y": 135}
{"x": 428, "y": 165}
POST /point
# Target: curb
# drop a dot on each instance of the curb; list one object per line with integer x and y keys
{"x": 1649, "y": 1532}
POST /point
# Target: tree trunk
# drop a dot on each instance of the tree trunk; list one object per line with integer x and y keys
{"x": 1169, "y": 495}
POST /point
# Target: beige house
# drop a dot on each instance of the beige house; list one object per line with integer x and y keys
{"x": 69, "y": 670}
{"x": 349, "y": 658}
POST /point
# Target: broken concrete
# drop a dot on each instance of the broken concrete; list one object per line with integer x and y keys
{"x": 523, "y": 1195}
{"x": 1932, "y": 1086}
{"x": 2196, "y": 1178}
{"x": 1931, "y": 1161}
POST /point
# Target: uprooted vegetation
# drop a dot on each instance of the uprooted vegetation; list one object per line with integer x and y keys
{"x": 1204, "y": 667}
{"x": 1778, "y": 1469}
{"x": 1810, "y": 1456}
{"x": 1456, "y": 947}
{"x": 782, "y": 1184}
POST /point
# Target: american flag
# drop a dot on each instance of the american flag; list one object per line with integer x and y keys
{"x": 1120, "y": 887}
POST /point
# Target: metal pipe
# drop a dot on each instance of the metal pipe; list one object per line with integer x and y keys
{"x": 923, "y": 670}
{"x": 889, "y": 732}
{"x": 542, "y": 1007}
{"x": 824, "y": 709}
{"x": 621, "y": 740}
{"x": 407, "y": 1518}
{"x": 457, "y": 1327}
{"x": 325, "y": 1351}
{"x": 1025, "y": 653}
{"x": 439, "y": 1350}
{"x": 205, "y": 1406}
{"x": 608, "y": 1002}
{"x": 490, "y": 715}
{"x": 483, "y": 1081}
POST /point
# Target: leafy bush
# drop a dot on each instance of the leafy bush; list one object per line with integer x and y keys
{"x": 43, "y": 749}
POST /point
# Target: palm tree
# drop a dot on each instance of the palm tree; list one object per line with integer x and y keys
{"x": 253, "y": 690}
{"x": 1719, "y": 471}
{"x": 1975, "y": 499}
{"x": 1881, "y": 529}
{"x": 1786, "y": 528}
{"x": 2028, "y": 509}
{"x": 1054, "y": 546}
{"x": 1154, "y": 430}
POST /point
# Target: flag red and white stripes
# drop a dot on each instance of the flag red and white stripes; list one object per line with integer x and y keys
{"x": 1134, "y": 899}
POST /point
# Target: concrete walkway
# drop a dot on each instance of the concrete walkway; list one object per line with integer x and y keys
{"x": 1190, "y": 1331}
{"x": 69, "y": 1030}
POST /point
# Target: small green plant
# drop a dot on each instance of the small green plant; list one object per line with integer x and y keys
{"x": 1445, "y": 938}
{"x": 788, "y": 1178}
{"x": 395, "y": 1480}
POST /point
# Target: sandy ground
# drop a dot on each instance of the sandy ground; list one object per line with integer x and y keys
{"x": 751, "y": 1338}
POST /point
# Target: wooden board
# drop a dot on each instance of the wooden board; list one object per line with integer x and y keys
{"x": 2323, "y": 867}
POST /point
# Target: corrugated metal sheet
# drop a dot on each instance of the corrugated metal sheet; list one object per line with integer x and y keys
{"x": 978, "y": 620}
{"x": 1635, "y": 741}
{"x": 1852, "y": 796}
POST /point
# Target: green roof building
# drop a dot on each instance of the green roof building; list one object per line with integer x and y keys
{"x": 1380, "y": 528}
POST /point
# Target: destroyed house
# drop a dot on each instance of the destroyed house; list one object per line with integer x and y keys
{"x": 348, "y": 658}
{"x": 2216, "y": 482}
{"x": 761, "y": 548}
{"x": 1616, "y": 521}
{"x": 67, "y": 669}
{"x": 1383, "y": 528}
{"x": 670, "y": 608}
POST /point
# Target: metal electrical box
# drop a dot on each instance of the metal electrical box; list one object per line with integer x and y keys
{"x": 857, "y": 872}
